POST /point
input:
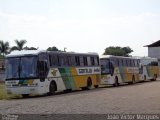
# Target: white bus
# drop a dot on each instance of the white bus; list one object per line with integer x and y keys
{"x": 39, "y": 72}
{"x": 149, "y": 69}
{"x": 118, "y": 69}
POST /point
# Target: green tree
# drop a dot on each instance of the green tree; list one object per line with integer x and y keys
{"x": 30, "y": 48}
{"x": 127, "y": 50}
{"x": 19, "y": 45}
{"x": 52, "y": 49}
{"x": 4, "y": 47}
{"x": 118, "y": 51}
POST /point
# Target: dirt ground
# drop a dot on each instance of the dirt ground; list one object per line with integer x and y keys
{"x": 127, "y": 99}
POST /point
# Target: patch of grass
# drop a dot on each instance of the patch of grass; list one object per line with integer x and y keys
{"x": 4, "y": 95}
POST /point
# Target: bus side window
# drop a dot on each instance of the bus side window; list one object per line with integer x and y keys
{"x": 63, "y": 60}
{"x": 92, "y": 61}
{"x": 96, "y": 61}
{"x": 69, "y": 60}
{"x": 85, "y": 60}
{"x": 89, "y": 60}
{"x": 123, "y": 62}
{"x": 120, "y": 62}
{"x": 133, "y": 63}
{"x": 53, "y": 60}
{"x": 127, "y": 62}
{"x": 77, "y": 61}
{"x": 81, "y": 61}
{"x": 117, "y": 62}
{"x": 130, "y": 63}
{"x": 136, "y": 63}
{"x": 73, "y": 61}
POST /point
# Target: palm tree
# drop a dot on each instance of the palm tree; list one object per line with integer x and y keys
{"x": 4, "y": 47}
{"x": 19, "y": 45}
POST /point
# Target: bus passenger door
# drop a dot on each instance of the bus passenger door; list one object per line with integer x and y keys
{"x": 43, "y": 69}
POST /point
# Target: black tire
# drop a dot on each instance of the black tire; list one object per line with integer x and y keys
{"x": 25, "y": 95}
{"x": 52, "y": 88}
{"x": 116, "y": 84}
{"x": 89, "y": 83}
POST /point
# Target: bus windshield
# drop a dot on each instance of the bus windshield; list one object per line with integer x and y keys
{"x": 105, "y": 66}
{"x": 21, "y": 67}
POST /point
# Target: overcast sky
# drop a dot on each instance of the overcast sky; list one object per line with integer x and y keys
{"x": 81, "y": 25}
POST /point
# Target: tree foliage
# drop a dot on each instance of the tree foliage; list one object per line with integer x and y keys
{"x": 19, "y": 45}
{"x": 30, "y": 48}
{"x": 118, "y": 51}
{"x": 52, "y": 49}
{"x": 4, "y": 47}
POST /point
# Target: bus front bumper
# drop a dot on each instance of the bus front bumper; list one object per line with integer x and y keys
{"x": 23, "y": 90}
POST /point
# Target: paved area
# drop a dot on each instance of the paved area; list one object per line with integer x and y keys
{"x": 138, "y": 98}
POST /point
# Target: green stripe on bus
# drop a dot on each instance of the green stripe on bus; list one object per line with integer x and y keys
{"x": 122, "y": 73}
{"x": 65, "y": 78}
{"x": 71, "y": 79}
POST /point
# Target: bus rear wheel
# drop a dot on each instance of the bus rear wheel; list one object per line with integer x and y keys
{"x": 52, "y": 88}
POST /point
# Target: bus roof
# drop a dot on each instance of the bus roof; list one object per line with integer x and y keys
{"x": 148, "y": 58}
{"x": 73, "y": 53}
{"x": 36, "y": 52}
{"x": 112, "y": 56}
{"x": 24, "y": 53}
